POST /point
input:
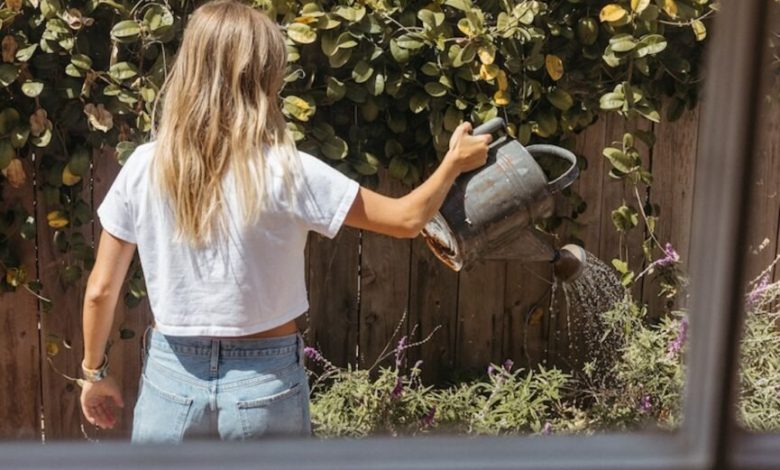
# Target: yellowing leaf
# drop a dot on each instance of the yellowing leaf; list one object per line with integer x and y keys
{"x": 39, "y": 122}
{"x": 488, "y": 72}
{"x": 10, "y": 46}
{"x": 670, "y": 7}
{"x": 52, "y": 348}
{"x": 612, "y": 13}
{"x": 466, "y": 27}
{"x": 501, "y": 98}
{"x": 503, "y": 84}
{"x": 554, "y": 66}
{"x": 699, "y": 30}
{"x": 56, "y": 219}
{"x": 99, "y": 117}
{"x": 68, "y": 178}
{"x": 487, "y": 55}
{"x": 638, "y": 6}
{"x": 15, "y": 174}
{"x": 299, "y": 108}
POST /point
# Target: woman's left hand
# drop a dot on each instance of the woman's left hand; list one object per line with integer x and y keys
{"x": 97, "y": 399}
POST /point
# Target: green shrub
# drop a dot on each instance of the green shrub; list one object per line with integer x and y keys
{"x": 370, "y": 84}
{"x": 642, "y": 390}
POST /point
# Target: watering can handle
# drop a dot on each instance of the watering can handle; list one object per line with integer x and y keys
{"x": 569, "y": 175}
{"x": 489, "y": 127}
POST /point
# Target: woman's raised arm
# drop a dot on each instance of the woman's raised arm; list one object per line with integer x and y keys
{"x": 404, "y": 217}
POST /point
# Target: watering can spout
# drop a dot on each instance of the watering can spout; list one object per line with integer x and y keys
{"x": 569, "y": 263}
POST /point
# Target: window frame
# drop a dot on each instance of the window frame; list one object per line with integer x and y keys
{"x": 708, "y": 437}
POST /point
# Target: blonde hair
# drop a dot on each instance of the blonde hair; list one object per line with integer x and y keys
{"x": 221, "y": 110}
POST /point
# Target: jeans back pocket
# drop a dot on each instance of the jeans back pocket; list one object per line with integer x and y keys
{"x": 159, "y": 415}
{"x": 280, "y": 413}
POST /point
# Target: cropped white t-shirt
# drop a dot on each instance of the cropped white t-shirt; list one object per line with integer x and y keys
{"x": 250, "y": 281}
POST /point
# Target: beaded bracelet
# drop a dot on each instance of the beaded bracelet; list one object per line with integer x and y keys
{"x": 94, "y": 375}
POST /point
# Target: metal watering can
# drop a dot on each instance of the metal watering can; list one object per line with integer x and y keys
{"x": 489, "y": 213}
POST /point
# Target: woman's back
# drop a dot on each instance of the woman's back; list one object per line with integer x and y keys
{"x": 246, "y": 280}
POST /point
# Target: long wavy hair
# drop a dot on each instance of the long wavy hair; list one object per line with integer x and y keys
{"x": 221, "y": 111}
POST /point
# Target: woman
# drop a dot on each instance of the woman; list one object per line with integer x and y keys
{"x": 219, "y": 205}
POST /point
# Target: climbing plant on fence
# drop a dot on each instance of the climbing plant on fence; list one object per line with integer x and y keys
{"x": 371, "y": 83}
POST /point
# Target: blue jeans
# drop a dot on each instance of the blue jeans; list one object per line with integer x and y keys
{"x": 209, "y": 387}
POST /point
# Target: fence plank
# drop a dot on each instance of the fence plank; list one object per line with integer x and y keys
{"x": 61, "y": 325}
{"x": 384, "y": 285}
{"x": 19, "y": 340}
{"x": 125, "y": 355}
{"x": 433, "y": 303}
{"x": 526, "y": 301}
{"x": 674, "y": 163}
{"x": 480, "y": 316}
{"x": 589, "y": 144}
{"x": 764, "y": 205}
{"x": 333, "y": 295}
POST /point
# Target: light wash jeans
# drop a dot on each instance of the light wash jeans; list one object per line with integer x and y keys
{"x": 232, "y": 389}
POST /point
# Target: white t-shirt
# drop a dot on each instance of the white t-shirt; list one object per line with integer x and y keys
{"x": 252, "y": 280}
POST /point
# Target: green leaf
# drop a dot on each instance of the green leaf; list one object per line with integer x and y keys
{"x": 335, "y": 148}
{"x": 126, "y": 31}
{"x": 9, "y": 119}
{"x": 158, "y": 19}
{"x": 7, "y": 153}
{"x": 122, "y": 71}
{"x": 462, "y": 5}
{"x": 351, "y": 14}
{"x": 8, "y": 73}
{"x": 123, "y": 150}
{"x": 398, "y": 168}
{"x": 376, "y": 85}
{"x": 560, "y": 99}
{"x": 25, "y": 53}
{"x": 435, "y": 89}
{"x": 79, "y": 162}
{"x": 619, "y": 160}
{"x": 301, "y": 33}
{"x": 335, "y": 89}
{"x": 362, "y": 72}
{"x": 411, "y": 41}
{"x": 622, "y": 42}
{"x": 19, "y": 136}
{"x": 650, "y": 44}
{"x": 32, "y": 88}
{"x": 611, "y": 101}
{"x": 418, "y": 102}
{"x": 620, "y": 265}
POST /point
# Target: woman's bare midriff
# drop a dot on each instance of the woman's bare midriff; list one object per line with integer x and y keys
{"x": 288, "y": 328}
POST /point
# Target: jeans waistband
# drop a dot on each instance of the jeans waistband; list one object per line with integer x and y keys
{"x": 227, "y": 347}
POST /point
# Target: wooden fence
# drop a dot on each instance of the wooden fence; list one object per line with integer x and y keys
{"x": 362, "y": 286}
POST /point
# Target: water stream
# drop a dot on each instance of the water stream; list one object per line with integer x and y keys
{"x": 585, "y": 299}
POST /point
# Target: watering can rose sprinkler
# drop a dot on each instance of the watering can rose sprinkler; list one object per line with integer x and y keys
{"x": 489, "y": 212}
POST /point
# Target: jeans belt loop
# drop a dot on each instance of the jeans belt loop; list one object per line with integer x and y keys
{"x": 299, "y": 348}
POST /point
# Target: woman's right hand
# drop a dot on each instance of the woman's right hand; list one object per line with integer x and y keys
{"x": 467, "y": 152}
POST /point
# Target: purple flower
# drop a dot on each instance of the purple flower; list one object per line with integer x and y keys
{"x": 682, "y": 335}
{"x": 430, "y": 417}
{"x": 398, "y": 389}
{"x": 399, "y": 352}
{"x": 547, "y": 429}
{"x": 508, "y": 365}
{"x": 670, "y": 256}
{"x": 491, "y": 369}
{"x": 313, "y": 354}
{"x": 645, "y": 404}
{"x": 754, "y": 295}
